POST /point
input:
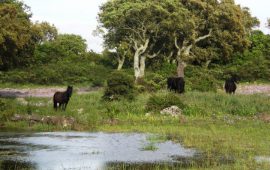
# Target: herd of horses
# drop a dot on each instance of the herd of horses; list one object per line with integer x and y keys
{"x": 176, "y": 84}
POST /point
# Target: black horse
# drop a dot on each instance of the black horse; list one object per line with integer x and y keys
{"x": 62, "y": 98}
{"x": 177, "y": 84}
{"x": 230, "y": 85}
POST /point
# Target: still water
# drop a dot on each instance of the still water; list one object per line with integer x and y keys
{"x": 77, "y": 150}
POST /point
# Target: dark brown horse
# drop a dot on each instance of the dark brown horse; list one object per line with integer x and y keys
{"x": 62, "y": 98}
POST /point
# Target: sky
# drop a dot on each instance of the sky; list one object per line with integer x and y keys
{"x": 80, "y": 16}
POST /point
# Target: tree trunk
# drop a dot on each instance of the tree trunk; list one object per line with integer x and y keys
{"x": 136, "y": 65}
{"x": 142, "y": 67}
{"x": 180, "y": 69}
{"x": 140, "y": 70}
{"x": 139, "y": 60}
{"x": 121, "y": 61}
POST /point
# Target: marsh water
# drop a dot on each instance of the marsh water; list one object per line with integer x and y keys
{"x": 77, "y": 150}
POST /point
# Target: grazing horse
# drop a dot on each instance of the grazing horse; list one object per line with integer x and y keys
{"x": 62, "y": 98}
{"x": 176, "y": 83}
{"x": 230, "y": 85}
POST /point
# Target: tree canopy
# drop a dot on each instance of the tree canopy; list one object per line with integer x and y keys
{"x": 15, "y": 34}
{"x": 61, "y": 46}
{"x": 200, "y": 31}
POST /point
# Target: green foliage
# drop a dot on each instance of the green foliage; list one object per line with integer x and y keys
{"x": 66, "y": 71}
{"x": 16, "y": 37}
{"x": 61, "y": 47}
{"x": 3, "y": 105}
{"x": 71, "y": 43}
{"x": 201, "y": 79}
{"x": 182, "y": 26}
{"x": 98, "y": 82}
{"x": 119, "y": 85}
{"x": 157, "y": 102}
{"x": 7, "y": 109}
{"x": 254, "y": 63}
{"x": 107, "y": 59}
{"x": 152, "y": 83}
{"x": 44, "y": 32}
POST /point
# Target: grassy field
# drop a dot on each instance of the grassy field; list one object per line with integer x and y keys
{"x": 222, "y": 127}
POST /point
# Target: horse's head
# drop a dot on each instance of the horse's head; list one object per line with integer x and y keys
{"x": 235, "y": 78}
{"x": 69, "y": 90}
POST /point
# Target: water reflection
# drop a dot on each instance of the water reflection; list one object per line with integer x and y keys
{"x": 75, "y": 150}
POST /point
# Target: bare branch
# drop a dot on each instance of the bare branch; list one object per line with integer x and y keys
{"x": 176, "y": 43}
{"x": 204, "y": 37}
{"x": 154, "y": 55}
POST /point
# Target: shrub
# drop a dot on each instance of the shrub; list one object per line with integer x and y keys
{"x": 200, "y": 79}
{"x": 152, "y": 83}
{"x": 98, "y": 82}
{"x": 119, "y": 85}
{"x": 3, "y": 105}
{"x": 67, "y": 71}
{"x": 5, "y": 109}
{"x": 157, "y": 102}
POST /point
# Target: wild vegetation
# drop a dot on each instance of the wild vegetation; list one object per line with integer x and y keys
{"x": 204, "y": 41}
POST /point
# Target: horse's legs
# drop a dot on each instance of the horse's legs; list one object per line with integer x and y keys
{"x": 60, "y": 105}
{"x": 65, "y": 105}
{"x": 55, "y": 105}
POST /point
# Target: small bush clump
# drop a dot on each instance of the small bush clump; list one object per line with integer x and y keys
{"x": 158, "y": 102}
{"x": 152, "y": 83}
{"x": 199, "y": 79}
{"x": 119, "y": 85}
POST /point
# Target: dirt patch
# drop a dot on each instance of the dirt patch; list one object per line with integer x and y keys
{"x": 253, "y": 89}
{"x": 263, "y": 117}
{"x": 39, "y": 92}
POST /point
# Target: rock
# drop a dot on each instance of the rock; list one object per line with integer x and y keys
{"x": 68, "y": 122}
{"x": 172, "y": 111}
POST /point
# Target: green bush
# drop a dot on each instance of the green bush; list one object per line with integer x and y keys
{"x": 119, "y": 85}
{"x": 254, "y": 67}
{"x": 152, "y": 83}
{"x": 98, "y": 82}
{"x": 3, "y": 105}
{"x": 201, "y": 79}
{"x": 157, "y": 102}
{"x": 67, "y": 71}
{"x": 6, "y": 109}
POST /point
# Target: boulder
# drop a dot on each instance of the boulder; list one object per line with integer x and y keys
{"x": 173, "y": 111}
